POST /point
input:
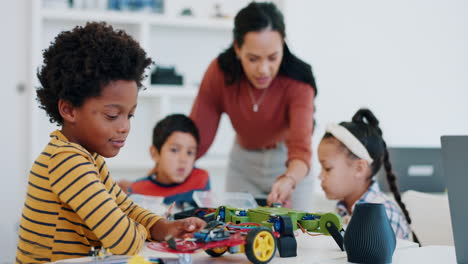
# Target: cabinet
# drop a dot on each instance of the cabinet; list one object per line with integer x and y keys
{"x": 189, "y": 43}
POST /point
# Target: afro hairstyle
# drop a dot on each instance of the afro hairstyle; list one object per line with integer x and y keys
{"x": 80, "y": 62}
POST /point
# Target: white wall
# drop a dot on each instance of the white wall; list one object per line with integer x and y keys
{"x": 13, "y": 49}
{"x": 405, "y": 60}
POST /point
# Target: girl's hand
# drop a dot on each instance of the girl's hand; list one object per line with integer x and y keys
{"x": 178, "y": 228}
{"x": 281, "y": 191}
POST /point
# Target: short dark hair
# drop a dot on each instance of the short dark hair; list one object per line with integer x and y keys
{"x": 80, "y": 62}
{"x": 254, "y": 18}
{"x": 171, "y": 124}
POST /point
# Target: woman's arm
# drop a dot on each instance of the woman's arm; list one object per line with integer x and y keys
{"x": 296, "y": 171}
{"x": 301, "y": 121}
{"x": 206, "y": 110}
{"x": 300, "y": 114}
{"x": 284, "y": 185}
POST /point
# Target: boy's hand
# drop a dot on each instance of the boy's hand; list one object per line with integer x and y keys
{"x": 178, "y": 228}
{"x": 124, "y": 185}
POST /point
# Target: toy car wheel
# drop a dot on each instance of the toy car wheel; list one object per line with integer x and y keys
{"x": 286, "y": 227}
{"x": 332, "y": 218}
{"x": 260, "y": 246}
{"x": 217, "y": 251}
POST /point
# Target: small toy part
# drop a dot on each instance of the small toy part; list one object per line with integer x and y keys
{"x": 100, "y": 253}
{"x": 304, "y": 230}
{"x": 276, "y": 223}
{"x": 287, "y": 245}
{"x": 216, "y": 233}
{"x": 206, "y": 214}
{"x": 221, "y": 214}
{"x": 310, "y": 217}
{"x": 171, "y": 242}
{"x": 217, "y": 251}
{"x": 93, "y": 252}
{"x": 241, "y": 213}
{"x": 336, "y": 234}
{"x": 169, "y": 210}
{"x": 137, "y": 259}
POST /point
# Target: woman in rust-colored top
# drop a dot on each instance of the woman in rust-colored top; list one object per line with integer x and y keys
{"x": 268, "y": 94}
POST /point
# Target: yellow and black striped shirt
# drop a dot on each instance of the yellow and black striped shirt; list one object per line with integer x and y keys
{"x": 72, "y": 204}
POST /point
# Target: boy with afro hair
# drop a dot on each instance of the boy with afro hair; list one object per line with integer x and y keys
{"x": 89, "y": 86}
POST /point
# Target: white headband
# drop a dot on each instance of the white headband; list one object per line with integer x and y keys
{"x": 350, "y": 141}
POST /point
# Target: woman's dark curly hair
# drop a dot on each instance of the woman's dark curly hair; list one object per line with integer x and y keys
{"x": 80, "y": 62}
{"x": 254, "y": 18}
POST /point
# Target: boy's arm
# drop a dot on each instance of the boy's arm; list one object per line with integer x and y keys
{"x": 157, "y": 227}
{"x": 137, "y": 213}
{"x": 75, "y": 179}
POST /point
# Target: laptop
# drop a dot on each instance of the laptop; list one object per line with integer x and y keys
{"x": 418, "y": 169}
{"x": 455, "y": 163}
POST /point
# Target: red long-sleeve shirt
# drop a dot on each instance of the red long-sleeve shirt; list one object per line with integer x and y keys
{"x": 284, "y": 114}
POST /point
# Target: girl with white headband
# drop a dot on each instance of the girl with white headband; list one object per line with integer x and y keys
{"x": 351, "y": 153}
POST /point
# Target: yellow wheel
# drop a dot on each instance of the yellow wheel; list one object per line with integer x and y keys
{"x": 217, "y": 251}
{"x": 260, "y": 245}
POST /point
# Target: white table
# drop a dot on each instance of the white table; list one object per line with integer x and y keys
{"x": 317, "y": 249}
{"x": 428, "y": 254}
{"x": 320, "y": 249}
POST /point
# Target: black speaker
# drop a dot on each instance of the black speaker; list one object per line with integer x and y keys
{"x": 369, "y": 237}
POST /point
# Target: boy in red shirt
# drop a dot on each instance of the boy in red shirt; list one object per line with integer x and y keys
{"x": 174, "y": 149}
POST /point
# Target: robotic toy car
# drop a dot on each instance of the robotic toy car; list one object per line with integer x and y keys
{"x": 256, "y": 232}
{"x": 257, "y": 242}
{"x": 284, "y": 221}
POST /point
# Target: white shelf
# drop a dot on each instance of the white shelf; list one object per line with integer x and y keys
{"x": 168, "y": 90}
{"x": 187, "y": 43}
{"x": 212, "y": 162}
{"x": 204, "y": 163}
{"x": 128, "y": 166}
{"x": 136, "y": 18}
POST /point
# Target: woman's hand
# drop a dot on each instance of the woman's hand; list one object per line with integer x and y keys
{"x": 281, "y": 191}
{"x": 283, "y": 187}
{"x": 178, "y": 228}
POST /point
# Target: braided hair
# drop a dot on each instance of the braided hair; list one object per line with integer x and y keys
{"x": 365, "y": 127}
